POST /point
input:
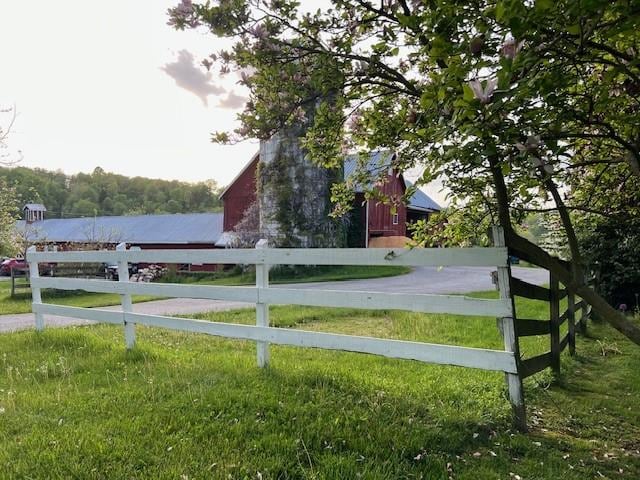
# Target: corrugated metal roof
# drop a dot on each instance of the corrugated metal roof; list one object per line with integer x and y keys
{"x": 171, "y": 228}
{"x": 35, "y": 206}
{"x": 421, "y": 200}
{"x": 379, "y": 161}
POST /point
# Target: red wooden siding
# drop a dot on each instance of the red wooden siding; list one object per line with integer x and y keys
{"x": 239, "y": 195}
{"x": 380, "y": 216}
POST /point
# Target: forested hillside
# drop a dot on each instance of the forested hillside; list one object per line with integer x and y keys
{"x": 103, "y": 193}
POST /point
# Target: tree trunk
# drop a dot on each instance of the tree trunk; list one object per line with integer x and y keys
{"x": 563, "y": 271}
{"x": 526, "y": 250}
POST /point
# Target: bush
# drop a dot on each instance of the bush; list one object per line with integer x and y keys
{"x": 611, "y": 247}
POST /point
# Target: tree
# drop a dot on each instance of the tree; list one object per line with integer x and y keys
{"x": 8, "y": 216}
{"x": 510, "y": 102}
{"x": 9, "y": 208}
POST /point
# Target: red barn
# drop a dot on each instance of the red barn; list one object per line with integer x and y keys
{"x": 240, "y": 193}
{"x": 371, "y": 218}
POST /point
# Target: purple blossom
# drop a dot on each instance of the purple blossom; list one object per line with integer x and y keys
{"x": 510, "y": 48}
{"x": 259, "y": 31}
{"x": 183, "y": 15}
{"x": 483, "y": 93}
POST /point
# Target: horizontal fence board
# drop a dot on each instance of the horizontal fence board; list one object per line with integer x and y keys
{"x": 453, "y": 304}
{"x": 237, "y": 294}
{"x": 535, "y": 364}
{"x": 563, "y": 318}
{"x": 495, "y": 256}
{"x": 215, "y": 256}
{"x": 528, "y": 290}
{"x": 93, "y": 314}
{"x": 425, "y": 352}
{"x": 527, "y": 327}
{"x": 564, "y": 342}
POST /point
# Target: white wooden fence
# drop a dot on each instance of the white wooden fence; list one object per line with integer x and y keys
{"x": 262, "y": 296}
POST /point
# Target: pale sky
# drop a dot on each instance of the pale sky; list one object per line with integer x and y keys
{"x": 112, "y": 85}
{"x": 91, "y": 85}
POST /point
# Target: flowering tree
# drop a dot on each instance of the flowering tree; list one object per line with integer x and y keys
{"x": 515, "y": 104}
{"x": 8, "y": 197}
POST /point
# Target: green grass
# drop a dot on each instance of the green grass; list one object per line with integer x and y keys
{"x": 288, "y": 274}
{"x": 75, "y": 405}
{"x": 21, "y": 303}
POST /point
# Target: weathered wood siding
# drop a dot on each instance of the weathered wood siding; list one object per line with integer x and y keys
{"x": 380, "y": 214}
{"x": 239, "y": 195}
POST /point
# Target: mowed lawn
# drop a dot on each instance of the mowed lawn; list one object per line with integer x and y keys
{"x": 74, "y": 404}
{"x": 21, "y": 302}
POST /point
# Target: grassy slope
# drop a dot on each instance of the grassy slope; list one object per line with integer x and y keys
{"x": 74, "y": 404}
{"x": 22, "y": 302}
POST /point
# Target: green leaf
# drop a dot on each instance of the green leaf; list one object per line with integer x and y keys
{"x": 467, "y": 93}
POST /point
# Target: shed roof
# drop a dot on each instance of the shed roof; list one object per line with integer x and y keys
{"x": 142, "y": 229}
{"x": 38, "y": 207}
{"x": 383, "y": 159}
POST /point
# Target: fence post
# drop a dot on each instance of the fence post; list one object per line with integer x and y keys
{"x": 510, "y": 336}
{"x": 127, "y": 306}
{"x": 554, "y": 319}
{"x": 262, "y": 309}
{"x": 36, "y": 296}
{"x": 583, "y": 314}
{"x": 571, "y": 319}
{"x": 584, "y": 317}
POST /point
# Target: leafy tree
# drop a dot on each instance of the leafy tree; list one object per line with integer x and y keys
{"x": 108, "y": 193}
{"x": 510, "y": 102}
{"x": 8, "y": 213}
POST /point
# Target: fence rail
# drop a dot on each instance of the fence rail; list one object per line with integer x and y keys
{"x": 262, "y": 295}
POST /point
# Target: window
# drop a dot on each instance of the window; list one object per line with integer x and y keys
{"x": 395, "y": 218}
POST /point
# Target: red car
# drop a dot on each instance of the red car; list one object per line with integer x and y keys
{"x": 9, "y": 263}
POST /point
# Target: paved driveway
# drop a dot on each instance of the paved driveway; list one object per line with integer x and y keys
{"x": 420, "y": 280}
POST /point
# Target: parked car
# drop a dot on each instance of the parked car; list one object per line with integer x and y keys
{"x": 8, "y": 264}
{"x": 111, "y": 270}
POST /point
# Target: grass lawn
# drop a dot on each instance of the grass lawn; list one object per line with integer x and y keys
{"x": 299, "y": 274}
{"x": 74, "y": 404}
{"x": 21, "y": 303}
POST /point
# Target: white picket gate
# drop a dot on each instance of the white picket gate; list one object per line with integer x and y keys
{"x": 262, "y": 296}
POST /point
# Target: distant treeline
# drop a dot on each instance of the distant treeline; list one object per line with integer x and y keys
{"x": 103, "y": 193}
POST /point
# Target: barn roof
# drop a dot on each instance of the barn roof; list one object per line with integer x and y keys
{"x": 142, "y": 229}
{"x": 379, "y": 161}
{"x": 421, "y": 200}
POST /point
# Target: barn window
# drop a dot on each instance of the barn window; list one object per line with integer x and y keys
{"x": 395, "y": 219}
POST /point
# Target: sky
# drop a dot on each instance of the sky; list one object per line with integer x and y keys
{"x": 112, "y": 85}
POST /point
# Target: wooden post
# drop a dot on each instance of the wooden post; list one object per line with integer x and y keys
{"x": 584, "y": 317}
{"x": 262, "y": 309}
{"x": 571, "y": 319}
{"x": 36, "y": 296}
{"x": 510, "y": 336}
{"x": 127, "y": 306}
{"x": 13, "y": 283}
{"x": 554, "y": 312}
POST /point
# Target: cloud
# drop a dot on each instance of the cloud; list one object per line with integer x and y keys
{"x": 232, "y": 101}
{"x": 193, "y": 79}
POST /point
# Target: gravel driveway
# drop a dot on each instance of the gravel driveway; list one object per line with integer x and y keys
{"x": 420, "y": 280}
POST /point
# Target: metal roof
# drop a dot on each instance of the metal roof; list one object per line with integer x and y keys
{"x": 421, "y": 200}
{"x": 171, "y": 228}
{"x": 35, "y": 206}
{"x": 378, "y": 161}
